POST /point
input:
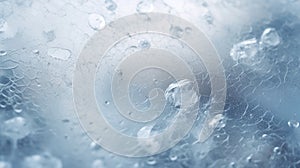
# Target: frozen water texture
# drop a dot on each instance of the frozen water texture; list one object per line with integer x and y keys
{"x": 3, "y": 25}
{"x": 245, "y": 50}
{"x": 259, "y": 126}
{"x": 42, "y": 161}
{"x": 182, "y": 94}
{"x": 269, "y": 38}
{"x": 16, "y": 128}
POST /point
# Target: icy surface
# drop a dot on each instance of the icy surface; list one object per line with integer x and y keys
{"x": 258, "y": 42}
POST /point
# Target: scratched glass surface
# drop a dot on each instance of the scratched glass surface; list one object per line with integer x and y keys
{"x": 258, "y": 42}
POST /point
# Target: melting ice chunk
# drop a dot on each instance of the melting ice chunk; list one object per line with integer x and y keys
{"x": 16, "y": 128}
{"x": 42, "y": 161}
{"x": 269, "y": 38}
{"x": 244, "y": 50}
{"x": 182, "y": 94}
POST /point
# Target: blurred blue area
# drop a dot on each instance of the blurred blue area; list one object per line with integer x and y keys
{"x": 41, "y": 40}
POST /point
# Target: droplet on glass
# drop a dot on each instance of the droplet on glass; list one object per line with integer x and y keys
{"x": 96, "y": 21}
{"x": 293, "y": 124}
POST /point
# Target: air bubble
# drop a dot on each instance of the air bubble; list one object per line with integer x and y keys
{"x": 3, "y": 104}
{"x": 276, "y": 150}
{"x": 232, "y": 165}
{"x": 269, "y": 38}
{"x": 144, "y": 44}
{"x": 95, "y": 146}
{"x": 293, "y": 124}
{"x": 249, "y": 159}
{"x": 144, "y": 6}
{"x": 151, "y": 161}
{"x": 18, "y": 108}
{"x": 96, "y": 21}
{"x": 36, "y": 52}
{"x": 3, "y": 53}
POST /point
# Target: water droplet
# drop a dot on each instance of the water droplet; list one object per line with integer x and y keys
{"x": 44, "y": 161}
{"x": 95, "y": 146}
{"x": 151, "y": 161}
{"x": 36, "y": 52}
{"x": 269, "y": 38}
{"x": 249, "y": 159}
{"x": 96, "y": 21}
{"x": 110, "y": 5}
{"x": 3, "y": 104}
{"x": 293, "y": 123}
{"x": 17, "y": 108}
{"x": 245, "y": 50}
{"x": 173, "y": 156}
{"x": 16, "y": 128}
{"x": 276, "y": 150}
{"x": 144, "y": 44}
{"x": 59, "y": 53}
{"x": 232, "y": 164}
{"x": 98, "y": 164}
{"x": 264, "y": 135}
{"x": 182, "y": 90}
{"x": 144, "y": 6}
{"x": 176, "y": 31}
{"x": 3, "y": 52}
{"x": 3, "y": 25}
{"x": 107, "y": 102}
{"x": 4, "y": 164}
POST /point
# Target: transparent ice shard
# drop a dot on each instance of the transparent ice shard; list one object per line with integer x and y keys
{"x": 245, "y": 50}
{"x": 269, "y": 38}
